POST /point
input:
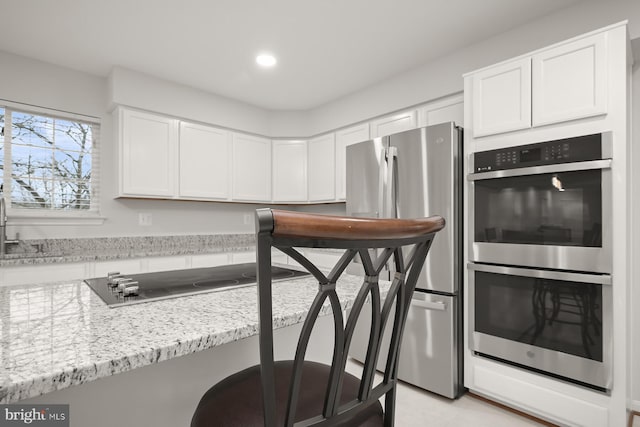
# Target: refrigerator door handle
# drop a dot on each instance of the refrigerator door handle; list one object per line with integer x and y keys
{"x": 392, "y": 159}
{"x": 381, "y": 187}
{"x": 429, "y": 305}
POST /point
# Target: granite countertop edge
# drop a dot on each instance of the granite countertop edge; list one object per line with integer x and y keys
{"x": 76, "y": 258}
{"x": 56, "y": 251}
{"x": 126, "y": 248}
{"x": 25, "y": 381}
{"x": 78, "y": 375}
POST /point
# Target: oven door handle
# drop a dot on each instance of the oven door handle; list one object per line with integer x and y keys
{"x": 536, "y": 170}
{"x": 602, "y": 279}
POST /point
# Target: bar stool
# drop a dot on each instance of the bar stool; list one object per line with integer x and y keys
{"x": 304, "y": 393}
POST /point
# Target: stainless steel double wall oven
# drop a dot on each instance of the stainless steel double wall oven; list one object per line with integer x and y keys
{"x": 540, "y": 257}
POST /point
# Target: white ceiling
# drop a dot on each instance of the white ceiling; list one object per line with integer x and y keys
{"x": 326, "y": 49}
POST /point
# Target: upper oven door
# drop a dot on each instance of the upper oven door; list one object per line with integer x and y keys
{"x": 552, "y": 216}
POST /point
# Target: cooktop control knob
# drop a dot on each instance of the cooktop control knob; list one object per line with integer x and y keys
{"x": 122, "y": 283}
{"x": 112, "y": 277}
{"x": 130, "y": 289}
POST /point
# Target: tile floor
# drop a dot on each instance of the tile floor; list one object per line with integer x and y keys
{"x": 418, "y": 408}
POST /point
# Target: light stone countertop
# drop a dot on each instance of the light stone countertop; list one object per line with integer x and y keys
{"x": 58, "y": 335}
{"x": 57, "y": 251}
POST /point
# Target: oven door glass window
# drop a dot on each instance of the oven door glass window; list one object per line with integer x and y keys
{"x": 563, "y": 209}
{"x": 553, "y": 314}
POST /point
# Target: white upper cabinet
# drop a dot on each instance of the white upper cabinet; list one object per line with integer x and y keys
{"x": 205, "y": 162}
{"x": 289, "y": 171}
{"x": 449, "y": 109}
{"x": 570, "y": 81}
{"x": 502, "y": 98}
{"x": 321, "y": 162}
{"x": 251, "y": 168}
{"x": 394, "y": 123}
{"x": 148, "y": 154}
{"x": 344, "y": 138}
{"x": 564, "y": 82}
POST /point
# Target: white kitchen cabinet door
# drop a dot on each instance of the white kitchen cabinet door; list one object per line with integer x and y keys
{"x": 22, "y": 275}
{"x": 344, "y": 138}
{"x": 148, "y": 154}
{"x": 209, "y": 260}
{"x": 251, "y": 168}
{"x": 394, "y": 123}
{"x": 321, "y": 162}
{"x": 501, "y": 99}
{"x": 122, "y": 266}
{"x": 450, "y": 109}
{"x": 243, "y": 257}
{"x": 289, "y": 171}
{"x": 166, "y": 263}
{"x": 205, "y": 162}
{"x": 570, "y": 81}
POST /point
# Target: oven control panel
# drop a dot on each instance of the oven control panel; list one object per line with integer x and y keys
{"x": 569, "y": 150}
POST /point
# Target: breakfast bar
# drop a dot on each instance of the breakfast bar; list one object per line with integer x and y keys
{"x": 59, "y": 335}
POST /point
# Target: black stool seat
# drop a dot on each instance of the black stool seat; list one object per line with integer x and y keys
{"x": 237, "y": 400}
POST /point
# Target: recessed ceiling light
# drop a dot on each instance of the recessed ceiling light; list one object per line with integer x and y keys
{"x": 266, "y": 60}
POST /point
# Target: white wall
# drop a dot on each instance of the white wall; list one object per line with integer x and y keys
{"x": 127, "y": 87}
{"x": 634, "y": 300}
{"x": 443, "y": 76}
{"x": 33, "y": 82}
{"x": 37, "y": 83}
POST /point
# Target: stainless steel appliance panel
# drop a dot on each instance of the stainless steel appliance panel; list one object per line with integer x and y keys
{"x": 429, "y": 355}
{"x": 415, "y": 174}
{"x": 365, "y": 178}
{"x": 554, "y": 331}
{"x": 547, "y": 216}
{"x": 427, "y": 184}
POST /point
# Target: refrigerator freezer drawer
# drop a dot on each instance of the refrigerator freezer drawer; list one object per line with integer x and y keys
{"x": 429, "y": 352}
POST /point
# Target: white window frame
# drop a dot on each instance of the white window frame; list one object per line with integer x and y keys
{"x": 89, "y": 216}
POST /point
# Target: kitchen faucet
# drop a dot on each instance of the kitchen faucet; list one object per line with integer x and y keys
{"x": 3, "y": 229}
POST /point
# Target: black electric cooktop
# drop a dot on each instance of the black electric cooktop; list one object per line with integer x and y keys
{"x": 177, "y": 283}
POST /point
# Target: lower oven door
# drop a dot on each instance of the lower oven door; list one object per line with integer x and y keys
{"x": 554, "y": 322}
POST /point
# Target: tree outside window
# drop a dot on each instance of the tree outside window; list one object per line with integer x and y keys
{"x": 50, "y": 161}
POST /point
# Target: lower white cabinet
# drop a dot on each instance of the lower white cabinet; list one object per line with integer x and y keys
{"x": 166, "y": 263}
{"x": 251, "y": 168}
{"x": 289, "y": 171}
{"x": 123, "y": 266}
{"x": 209, "y": 260}
{"x": 323, "y": 259}
{"x": 28, "y": 274}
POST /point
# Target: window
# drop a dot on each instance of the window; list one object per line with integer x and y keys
{"x": 48, "y": 162}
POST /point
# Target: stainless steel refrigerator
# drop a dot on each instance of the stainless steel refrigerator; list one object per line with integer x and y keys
{"x": 414, "y": 174}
